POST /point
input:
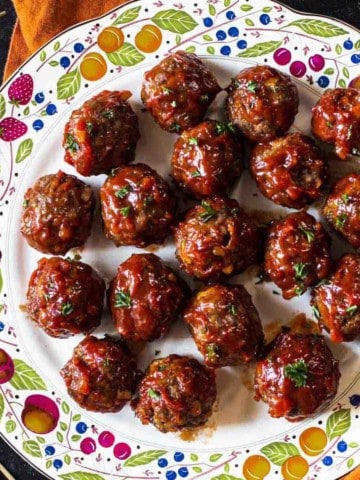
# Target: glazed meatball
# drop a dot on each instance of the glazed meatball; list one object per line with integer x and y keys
{"x": 336, "y": 120}
{"x": 207, "y": 159}
{"x": 336, "y": 302}
{"x": 262, "y": 103}
{"x": 177, "y": 392}
{"x": 225, "y": 325}
{"x": 137, "y": 206}
{"x": 297, "y": 377}
{"x": 58, "y": 213}
{"x": 178, "y": 91}
{"x": 65, "y": 297}
{"x": 145, "y": 298}
{"x": 216, "y": 239}
{"x": 342, "y": 208}
{"x": 291, "y": 171}
{"x": 297, "y": 253}
{"x": 101, "y": 376}
{"x": 102, "y": 134}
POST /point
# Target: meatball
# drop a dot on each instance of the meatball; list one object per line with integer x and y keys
{"x": 342, "y": 208}
{"x": 101, "y": 376}
{"x": 336, "y": 302}
{"x": 145, "y": 297}
{"x": 262, "y": 103}
{"x": 297, "y": 253}
{"x": 65, "y": 297}
{"x": 58, "y": 213}
{"x": 225, "y": 325}
{"x": 216, "y": 239}
{"x": 102, "y": 134}
{"x": 178, "y": 91}
{"x": 291, "y": 171}
{"x": 207, "y": 159}
{"x": 137, "y": 206}
{"x": 297, "y": 377}
{"x": 336, "y": 120}
{"x": 177, "y": 392}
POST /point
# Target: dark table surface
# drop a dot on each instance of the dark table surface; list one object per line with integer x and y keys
{"x": 348, "y": 11}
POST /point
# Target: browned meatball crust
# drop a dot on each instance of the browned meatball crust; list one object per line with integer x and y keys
{"x": 58, "y": 213}
{"x": 297, "y": 253}
{"x": 291, "y": 171}
{"x": 262, "y": 103}
{"x": 177, "y": 392}
{"x": 225, "y": 325}
{"x": 297, "y": 377}
{"x": 178, "y": 91}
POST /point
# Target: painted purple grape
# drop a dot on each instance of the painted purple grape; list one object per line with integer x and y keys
{"x": 81, "y": 427}
{"x": 230, "y": 15}
{"x": 208, "y": 22}
{"x": 49, "y": 450}
{"x": 106, "y": 439}
{"x": 58, "y": 464}
{"x": 355, "y": 58}
{"x": 282, "y": 56}
{"x": 122, "y": 451}
{"x": 323, "y": 81}
{"x": 298, "y": 69}
{"x": 88, "y": 445}
{"x": 265, "y": 19}
{"x": 316, "y": 62}
{"x": 348, "y": 44}
{"x": 355, "y": 400}
{"x": 342, "y": 446}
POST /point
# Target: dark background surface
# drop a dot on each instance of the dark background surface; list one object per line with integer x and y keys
{"x": 348, "y": 11}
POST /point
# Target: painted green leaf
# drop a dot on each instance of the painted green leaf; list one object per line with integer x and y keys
{"x": 10, "y": 426}
{"x": 342, "y": 83}
{"x": 65, "y": 408}
{"x": 212, "y": 10}
{"x": 357, "y": 44}
{"x": 63, "y": 426}
{"x": 260, "y": 49}
{"x": 350, "y": 462}
{"x": 227, "y": 468}
{"x": 26, "y": 111}
{"x": 1, "y": 281}
{"x": 77, "y": 417}
{"x": 128, "y": 16}
{"x": 279, "y": 452}
{"x": 67, "y": 459}
{"x": 190, "y": 49}
{"x": 249, "y": 22}
{"x": 194, "y": 457}
{"x": 40, "y": 439}
{"x": 48, "y": 464}
{"x": 338, "y": 49}
{"x": 59, "y": 436}
{"x": 176, "y": 21}
{"x": 208, "y": 38}
{"x": 329, "y": 71}
{"x": 338, "y": 423}
{"x": 215, "y": 457}
{"x": 24, "y": 150}
{"x": 75, "y": 438}
{"x": 197, "y": 469}
{"x": 177, "y": 39}
{"x": 267, "y": 9}
{"x": 81, "y": 476}
{"x": 25, "y": 378}
{"x": 210, "y": 50}
{"x": 68, "y": 85}
{"x": 346, "y": 72}
{"x": 353, "y": 444}
{"x": 53, "y": 63}
{"x": 2, "y": 406}
{"x": 225, "y": 476}
{"x": 31, "y": 447}
{"x": 227, "y": 3}
{"x": 2, "y": 106}
{"x": 43, "y": 56}
{"x": 246, "y": 8}
{"x": 320, "y": 28}
{"x": 56, "y": 46}
{"x": 126, "y": 56}
{"x": 144, "y": 458}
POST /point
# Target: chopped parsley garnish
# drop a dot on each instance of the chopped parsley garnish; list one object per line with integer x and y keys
{"x": 153, "y": 393}
{"x": 204, "y": 98}
{"x": 122, "y": 192}
{"x": 221, "y": 128}
{"x": 175, "y": 127}
{"x": 299, "y": 290}
{"x": 212, "y": 350}
{"x": 167, "y": 90}
{"x": 208, "y": 212}
{"x": 106, "y": 362}
{"x": 125, "y": 211}
{"x": 297, "y": 372}
{"x": 329, "y": 124}
{"x": 232, "y": 309}
{"x": 89, "y": 127}
{"x": 252, "y": 86}
{"x": 300, "y": 270}
{"x": 71, "y": 143}
{"x": 193, "y": 141}
{"x": 324, "y": 281}
{"x": 310, "y": 236}
{"x": 122, "y": 299}
{"x": 352, "y": 310}
{"x": 66, "y": 309}
{"x": 316, "y": 312}
{"x": 345, "y": 198}
{"x": 25, "y": 203}
{"x": 110, "y": 114}
{"x": 340, "y": 220}
{"x": 195, "y": 173}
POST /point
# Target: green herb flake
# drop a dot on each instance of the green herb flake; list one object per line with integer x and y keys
{"x": 193, "y": 141}
{"x": 352, "y": 310}
{"x": 208, "y": 212}
{"x": 300, "y": 270}
{"x": 204, "y": 98}
{"x": 345, "y": 198}
{"x": 167, "y": 90}
{"x": 340, "y": 221}
{"x": 316, "y": 312}
{"x": 310, "y": 236}
{"x": 106, "y": 362}
{"x": 71, "y": 144}
{"x": 109, "y": 114}
{"x": 153, "y": 393}
{"x": 211, "y": 351}
{"x": 25, "y": 203}
{"x": 329, "y": 124}
{"x": 299, "y": 290}
{"x": 66, "y": 309}
{"x": 232, "y": 309}
{"x": 122, "y": 192}
{"x": 252, "y": 86}
{"x": 125, "y": 211}
{"x": 221, "y": 128}
{"x": 175, "y": 128}
{"x": 195, "y": 173}
{"x": 122, "y": 299}
{"x": 297, "y": 372}
{"x": 89, "y": 127}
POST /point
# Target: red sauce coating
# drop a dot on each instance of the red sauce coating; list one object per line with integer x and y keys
{"x": 207, "y": 159}
{"x": 336, "y": 120}
{"x": 225, "y": 325}
{"x": 65, "y": 297}
{"x": 262, "y": 103}
{"x": 342, "y": 208}
{"x": 275, "y": 385}
{"x": 102, "y": 134}
{"x": 297, "y": 253}
{"x": 291, "y": 171}
{"x": 101, "y": 376}
{"x": 145, "y": 298}
{"x": 178, "y": 91}
{"x": 58, "y": 213}
{"x": 336, "y": 302}
{"x": 216, "y": 239}
{"x": 176, "y": 393}
{"x": 137, "y": 206}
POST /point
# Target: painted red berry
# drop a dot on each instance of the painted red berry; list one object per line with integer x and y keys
{"x": 21, "y": 90}
{"x": 11, "y": 129}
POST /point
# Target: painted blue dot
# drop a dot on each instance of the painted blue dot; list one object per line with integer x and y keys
{"x": 233, "y": 32}
{"x": 64, "y": 62}
{"x": 342, "y": 446}
{"x": 39, "y": 97}
{"x": 220, "y": 35}
{"x": 208, "y": 22}
{"x": 265, "y": 19}
{"x": 81, "y": 427}
{"x": 183, "y": 472}
{"x": 323, "y": 81}
{"x": 355, "y": 58}
{"x": 78, "y": 47}
{"x": 355, "y": 400}
{"x": 230, "y": 15}
{"x": 242, "y": 44}
{"x": 38, "y": 125}
{"x": 51, "y": 109}
{"x": 171, "y": 475}
{"x": 2, "y": 326}
{"x": 327, "y": 461}
{"x": 225, "y": 50}
{"x": 49, "y": 450}
{"x": 57, "y": 464}
{"x": 162, "y": 462}
{"x": 179, "y": 456}
{"x": 348, "y": 44}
